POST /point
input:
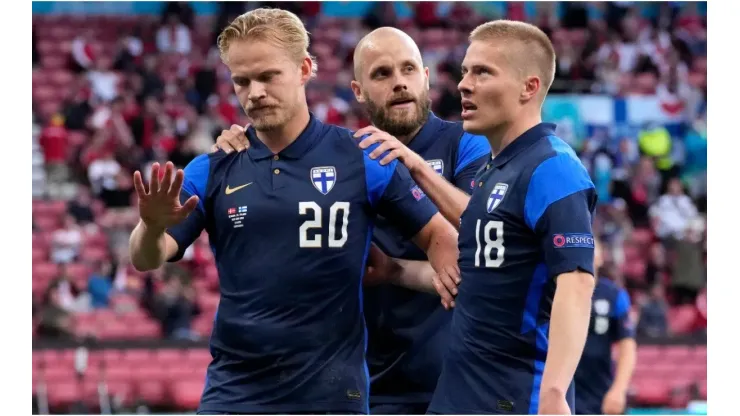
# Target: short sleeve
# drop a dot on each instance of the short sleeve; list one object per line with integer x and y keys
{"x": 473, "y": 152}
{"x": 621, "y": 316}
{"x": 194, "y": 183}
{"x": 395, "y": 195}
{"x": 559, "y": 207}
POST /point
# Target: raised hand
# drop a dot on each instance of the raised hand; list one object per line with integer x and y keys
{"x": 160, "y": 207}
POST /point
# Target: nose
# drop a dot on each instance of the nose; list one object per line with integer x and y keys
{"x": 465, "y": 87}
{"x": 256, "y": 91}
{"x": 399, "y": 83}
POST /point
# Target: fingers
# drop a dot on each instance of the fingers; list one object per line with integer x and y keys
{"x": 234, "y": 139}
{"x": 448, "y": 281}
{"x": 391, "y": 156}
{"x": 448, "y": 300}
{"x": 164, "y": 186}
{"x": 382, "y": 148}
{"x": 176, "y": 186}
{"x": 370, "y": 140}
{"x": 154, "y": 179}
{"x": 188, "y": 207}
{"x": 365, "y": 130}
{"x": 139, "y": 185}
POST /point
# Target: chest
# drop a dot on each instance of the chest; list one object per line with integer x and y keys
{"x": 494, "y": 219}
{"x": 440, "y": 155}
{"x": 313, "y": 200}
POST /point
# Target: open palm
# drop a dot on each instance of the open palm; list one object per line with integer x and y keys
{"x": 160, "y": 207}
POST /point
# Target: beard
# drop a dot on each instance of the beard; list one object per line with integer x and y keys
{"x": 403, "y": 122}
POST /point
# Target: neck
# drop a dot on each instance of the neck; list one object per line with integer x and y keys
{"x": 278, "y": 139}
{"x": 504, "y": 134}
{"x": 406, "y": 139}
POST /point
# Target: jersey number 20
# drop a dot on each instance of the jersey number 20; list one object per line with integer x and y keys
{"x": 314, "y": 209}
{"x": 493, "y": 238}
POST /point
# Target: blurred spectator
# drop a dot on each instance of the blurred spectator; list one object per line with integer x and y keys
{"x": 174, "y": 36}
{"x": 54, "y": 141}
{"x": 100, "y": 285}
{"x": 81, "y": 207}
{"x": 104, "y": 81}
{"x": 174, "y": 306}
{"x": 54, "y": 321}
{"x": 35, "y": 56}
{"x": 674, "y": 212}
{"x": 84, "y": 52}
{"x": 653, "y": 321}
{"x": 689, "y": 271}
{"x": 657, "y": 269}
{"x": 70, "y": 297}
{"x": 103, "y": 173}
{"x": 66, "y": 241}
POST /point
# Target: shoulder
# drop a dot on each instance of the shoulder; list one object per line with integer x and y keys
{"x": 554, "y": 163}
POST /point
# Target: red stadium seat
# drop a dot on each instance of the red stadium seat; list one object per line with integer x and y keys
{"x": 652, "y": 392}
{"x": 152, "y": 392}
{"x": 186, "y": 394}
{"x": 63, "y": 394}
{"x": 703, "y": 389}
{"x": 168, "y": 356}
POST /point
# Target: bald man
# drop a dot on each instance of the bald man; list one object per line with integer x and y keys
{"x": 408, "y": 330}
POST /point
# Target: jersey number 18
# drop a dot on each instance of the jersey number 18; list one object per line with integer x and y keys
{"x": 335, "y": 211}
{"x": 493, "y": 237}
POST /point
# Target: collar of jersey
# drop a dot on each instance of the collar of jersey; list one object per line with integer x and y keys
{"x": 302, "y": 144}
{"x": 523, "y": 142}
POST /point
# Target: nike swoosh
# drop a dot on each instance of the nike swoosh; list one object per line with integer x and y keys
{"x": 230, "y": 191}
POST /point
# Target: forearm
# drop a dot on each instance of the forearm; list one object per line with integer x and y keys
{"x": 450, "y": 200}
{"x": 147, "y": 247}
{"x": 415, "y": 275}
{"x": 569, "y": 320}
{"x": 625, "y": 364}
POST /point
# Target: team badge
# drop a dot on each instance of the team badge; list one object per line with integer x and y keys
{"x": 497, "y": 195}
{"x": 323, "y": 178}
{"x": 437, "y": 164}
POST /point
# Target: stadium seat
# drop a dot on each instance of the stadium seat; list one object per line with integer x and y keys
{"x": 651, "y": 392}
{"x": 63, "y": 394}
{"x": 186, "y": 394}
{"x": 152, "y": 392}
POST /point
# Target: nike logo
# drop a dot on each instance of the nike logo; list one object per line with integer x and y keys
{"x": 230, "y": 191}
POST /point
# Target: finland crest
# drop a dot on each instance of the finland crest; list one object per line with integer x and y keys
{"x": 497, "y": 195}
{"x": 437, "y": 164}
{"x": 323, "y": 178}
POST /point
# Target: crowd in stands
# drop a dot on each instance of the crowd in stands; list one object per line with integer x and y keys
{"x": 114, "y": 94}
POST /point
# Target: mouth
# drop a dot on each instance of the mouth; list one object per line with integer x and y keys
{"x": 468, "y": 109}
{"x": 402, "y": 103}
{"x": 259, "y": 109}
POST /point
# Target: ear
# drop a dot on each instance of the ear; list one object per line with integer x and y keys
{"x": 532, "y": 85}
{"x": 357, "y": 89}
{"x": 426, "y": 74}
{"x": 306, "y": 70}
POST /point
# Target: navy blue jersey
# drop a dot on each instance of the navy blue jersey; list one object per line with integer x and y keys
{"x": 610, "y": 322}
{"x": 291, "y": 233}
{"x": 408, "y": 330}
{"x": 528, "y": 221}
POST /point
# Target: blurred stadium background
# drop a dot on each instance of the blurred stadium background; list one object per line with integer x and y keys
{"x": 117, "y": 86}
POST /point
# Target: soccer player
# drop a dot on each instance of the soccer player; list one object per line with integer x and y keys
{"x": 290, "y": 223}
{"x": 408, "y": 329}
{"x": 526, "y": 247}
{"x": 599, "y": 390}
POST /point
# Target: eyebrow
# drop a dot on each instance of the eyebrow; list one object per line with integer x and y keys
{"x": 242, "y": 78}
{"x": 463, "y": 68}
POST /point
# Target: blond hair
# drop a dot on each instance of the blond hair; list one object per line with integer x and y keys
{"x": 277, "y": 26}
{"x": 535, "y": 45}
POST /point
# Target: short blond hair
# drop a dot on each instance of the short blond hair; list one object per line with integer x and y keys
{"x": 536, "y": 45}
{"x": 280, "y": 27}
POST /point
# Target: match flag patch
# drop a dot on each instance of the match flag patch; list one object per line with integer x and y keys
{"x": 573, "y": 240}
